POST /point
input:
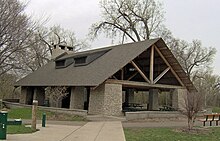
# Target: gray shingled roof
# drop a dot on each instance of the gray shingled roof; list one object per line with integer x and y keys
{"x": 97, "y": 71}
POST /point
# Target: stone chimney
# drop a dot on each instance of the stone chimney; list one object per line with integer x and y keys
{"x": 60, "y": 49}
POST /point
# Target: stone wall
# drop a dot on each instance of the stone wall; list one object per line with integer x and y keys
{"x": 28, "y": 94}
{"x": 96, "y": 100}
{"x": 77, "y": 98}
{"x": 106, "y": 100}
{"x": 178, "y": 98}
{"x": 153, "y": 115}
{"x": 113, "y": 100}
{"x": 52, "y": 109}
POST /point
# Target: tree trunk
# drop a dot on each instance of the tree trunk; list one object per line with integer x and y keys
{"x": 190, "y": 123}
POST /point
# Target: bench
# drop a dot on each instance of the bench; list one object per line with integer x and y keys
{"x": 14, "y": 122}
{"x": 210, "y": 118}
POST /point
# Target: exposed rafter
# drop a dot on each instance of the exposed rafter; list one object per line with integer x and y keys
{"x": 122, "y": 74}
{"x": 161, "y": 75}
{"x": 126, "y": 83}
{"x": 164, "y": 59}
{"x": 152, "y": 65}
{"x": 140, "y": 71}
{"x": 132, "y": 76}
{"x": 114, "y": 77}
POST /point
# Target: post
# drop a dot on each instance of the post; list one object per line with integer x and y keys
{"x": 34, "y": 115}
{"x": 152, "y": 65}
{"x": 44, "y": 120}
{"x": 3, "y": 125}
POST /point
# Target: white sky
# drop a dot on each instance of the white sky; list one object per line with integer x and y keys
{"x": 187, "y": 19}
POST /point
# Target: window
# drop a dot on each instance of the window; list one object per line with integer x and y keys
{"x": 60, "y": 64}
{"x": 80, "y": 60}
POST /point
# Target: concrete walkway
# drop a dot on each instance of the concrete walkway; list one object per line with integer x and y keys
{"x": 92, "y": 131}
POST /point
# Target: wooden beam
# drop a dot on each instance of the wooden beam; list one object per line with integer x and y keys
{"x": 174, "y": 73}
{"x": 161, "y": 75}
{"x": 141, "y": 73}
{"x": 152, "y": 65}
{"x": 132, "y": 76}
{"x": 114, "y": 77}
{"x": 122, "y": 74}
{"x": 143, "y": 85}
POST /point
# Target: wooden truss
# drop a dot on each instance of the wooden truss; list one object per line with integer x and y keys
{"x": 151, "y": 81}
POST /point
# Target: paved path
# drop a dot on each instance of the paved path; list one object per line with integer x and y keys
{"x": 92, "y": 131}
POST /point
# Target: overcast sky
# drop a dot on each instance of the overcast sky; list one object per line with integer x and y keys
{"x": 187, "y": 19}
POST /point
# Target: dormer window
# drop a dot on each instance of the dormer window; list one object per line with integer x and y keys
{"x": 70, "y": 48}
{"x": 60, "y": 63}
{"x": 62, "y": 47}
{"x": 64, "y": 63}
{"x": 80, "y": 60}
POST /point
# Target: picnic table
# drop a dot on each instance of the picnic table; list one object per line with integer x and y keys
{"x": 135, "y": 105}
{"x": 132, "y": 107}
{"x": 166, "y": 108}
{"x": 210, "y": 118}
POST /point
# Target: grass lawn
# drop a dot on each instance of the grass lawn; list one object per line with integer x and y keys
{"x": 25, "y": 113}
{"x": 216, "y": 109}
{"x": 18, "y": 129}
{"x": 168, "y": 134}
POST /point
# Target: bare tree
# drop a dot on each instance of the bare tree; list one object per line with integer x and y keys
{"x": 40, "y": 49}
{"x": 56, "y": 94}
{"x": 6, "y": 86}
{"x": 193, "y": 102}
{"x": 192, "y": 56}
{"x": 130, "y": 19}
{"x": 207, "y": 84}
{"x": 137, "y": 20}
{"x": 58, "y": 35}
{"x": 15, "y": 28}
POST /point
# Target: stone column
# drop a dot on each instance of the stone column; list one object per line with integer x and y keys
{"x": 39, "y": 95}
{"x": 113, "y": 99}
{"x": 23, "y": 95}
{"x": 130, "y": 95}
{"x": 153, "y": 99}
{"x": 178, "y": 98}
{"x": 96, "y": 100}
{"x": 26, "y": 96}
{"x": 77, "y": 98}
{"x": 106, "y": 100}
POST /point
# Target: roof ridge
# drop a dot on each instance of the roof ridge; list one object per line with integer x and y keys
{"x": 100, "y": 49}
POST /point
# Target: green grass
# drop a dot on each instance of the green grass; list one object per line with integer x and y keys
{"x": 18, "y": 129}
{"x": 25, "y": 113}
{"x": 216, "y": 109}
{"x": 168, "y": 134}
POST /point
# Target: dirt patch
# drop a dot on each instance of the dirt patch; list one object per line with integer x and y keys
{"x": 65, "y": 117}
{"x": 194, "y": 131}
{"x": 159, "y": 119}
